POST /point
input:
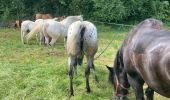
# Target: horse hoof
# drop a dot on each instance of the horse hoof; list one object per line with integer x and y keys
{"x": 96, "y": 79}
{"x": 71, "y": 94}
{"x": 88, "y": 90}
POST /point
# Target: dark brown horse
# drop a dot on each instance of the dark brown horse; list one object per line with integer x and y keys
{"x": 43, "y": 16}
{"x": 18, "y": 23}
{"x": 144, "y": 57}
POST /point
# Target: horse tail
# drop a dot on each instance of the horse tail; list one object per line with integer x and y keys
{"x": 35, "y": 30}
{"x": 81, "y": 56}
{"x": 44, "y": 27}
{"x": 82, "y": 37}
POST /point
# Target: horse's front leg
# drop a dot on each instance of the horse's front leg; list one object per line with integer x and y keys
{"x": 53, "y": 41}
{"x": 22, "y": 38}
{"x": 149, "y": 93}
{"x": 46, "y": 40}
{"x": 23, "y": 34}
{"x": 137, "y": 84}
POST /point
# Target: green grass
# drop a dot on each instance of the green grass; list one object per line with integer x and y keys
{"x": 34, "y": 72}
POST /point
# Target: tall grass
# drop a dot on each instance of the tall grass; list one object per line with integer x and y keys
{"x": 34, "y": 72}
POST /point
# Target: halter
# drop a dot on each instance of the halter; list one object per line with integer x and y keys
{"x": 118, "y": 84}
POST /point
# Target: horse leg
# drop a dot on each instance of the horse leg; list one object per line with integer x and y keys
{"x": 53, "y": 41}
{"x": 41, "y": 38}
{"x": 149, "y": 93}
{"x": 137, "y": 84}
{"x": 22, "y": 38}
{"x": 75, "y": 67}
{"x": 37, "y": 37}
{"x": 46, "y": 40}
{"x": 94, "y": 73}
{"x": 87, "y": 73}
{"x": 80, "y": 59}
{"x": 71, "y": 61}
{"x": 65, "y": 40}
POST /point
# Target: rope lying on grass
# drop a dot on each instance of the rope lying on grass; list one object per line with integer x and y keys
{"x": 112, "y": 37}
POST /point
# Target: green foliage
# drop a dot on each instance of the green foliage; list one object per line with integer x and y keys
{"x": 101, "y": 10}
{"x": 110, "y": 10}
{"x": 161, "y": 10}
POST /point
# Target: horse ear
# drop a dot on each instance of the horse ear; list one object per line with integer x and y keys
{"x": 109, "y": 68}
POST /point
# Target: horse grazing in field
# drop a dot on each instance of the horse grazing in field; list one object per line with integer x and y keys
{"x": 43, "y": 16}
{"x": 81, "y": 40}
{"x": 26, "y": 27}
{"x": 54, "y": 29}
{"x": 18, "y": 23}
{"x": 37, "y": 30}
{"x": 143, "y": 57}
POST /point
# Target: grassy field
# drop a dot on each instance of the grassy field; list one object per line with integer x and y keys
{"x": 34, "y": 72}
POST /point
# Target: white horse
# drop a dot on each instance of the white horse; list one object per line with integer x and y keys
{"x": 54, "y": 29}
{"x": 37, "y": 26}
{"x": 26, "y": 27}
{"x": 81, "y": 40}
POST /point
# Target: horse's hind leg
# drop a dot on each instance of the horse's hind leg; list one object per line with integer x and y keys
{"x": 137, "y": 84}
{"x": 80, "y": 59}
{"x": 41, "y": 38}
{"x": 149, "y": 93}
{"x": 87, "y": 73}
{"x": 65, "y": 40}
{"x": 94, "y": 73}
{"x": 75, "y": 67}
{"x": 71, "y": 62}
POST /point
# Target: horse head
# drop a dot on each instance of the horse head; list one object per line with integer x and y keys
{"x": 118, "y": 77}
{"x": 18, "y": 23}
{"x": 69, "y": 20}
{"x": 73, "y": 18}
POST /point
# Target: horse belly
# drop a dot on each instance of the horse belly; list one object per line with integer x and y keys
{"x": 156, "y": 72}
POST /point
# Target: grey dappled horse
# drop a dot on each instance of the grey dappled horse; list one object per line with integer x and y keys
{"x": 81, "y": 40}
